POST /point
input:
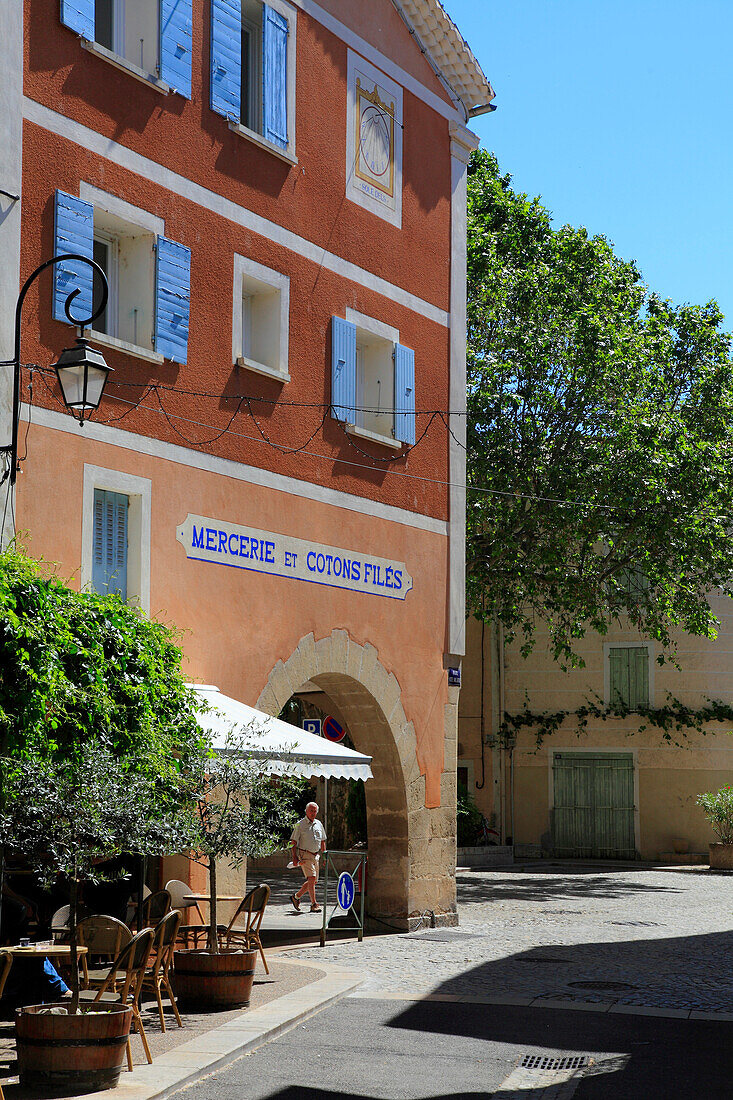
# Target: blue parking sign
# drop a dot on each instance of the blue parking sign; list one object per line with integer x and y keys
{"x": 312, "y": 725}
{"x": 345, "y": 891}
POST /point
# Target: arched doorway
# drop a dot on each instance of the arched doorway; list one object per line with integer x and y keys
{"x": 403, "y": 880}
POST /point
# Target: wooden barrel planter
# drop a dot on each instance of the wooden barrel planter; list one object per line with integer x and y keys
{"x": 206, "y": 979}
{"x": 82, "y": 1053}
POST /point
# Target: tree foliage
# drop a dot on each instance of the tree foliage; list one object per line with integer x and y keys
{"x": 599, "y": 428}
{"x": 78, "y": 665}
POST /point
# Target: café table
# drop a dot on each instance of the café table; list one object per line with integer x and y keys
{"x": 45, "y": 950}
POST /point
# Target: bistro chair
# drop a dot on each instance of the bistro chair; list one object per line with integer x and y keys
{"x": 155, "y": 908}
{"x": 178, "y": 891}
{"x": 157, "y": 976}
{"x": 60, "y": 924}
{"x": 104, "y": 937}
{"x": 132, "y": 906}
{"x": 124, "y": 983}
{"x": 6, "y": 961}
{"x": 250, "y": 912}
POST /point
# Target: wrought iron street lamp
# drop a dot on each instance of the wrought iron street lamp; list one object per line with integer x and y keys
{"x": 81, "y": 370}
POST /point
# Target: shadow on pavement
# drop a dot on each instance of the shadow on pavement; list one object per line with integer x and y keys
{"x": 556, "y": 883}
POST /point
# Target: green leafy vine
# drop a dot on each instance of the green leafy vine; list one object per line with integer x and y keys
{"x": 674, "y": 719}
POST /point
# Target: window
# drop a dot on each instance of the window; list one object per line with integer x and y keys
{"x": 260, "y": 319}
{"x": 115, "y": 553}
{"x": 372, "y": 380}
{"x": 148, "y": 276}
{"x": 629, "y": 676}
{"x": 110, "y": 543}
{"x": 253, "y": 70}
{"x": 150, "y": 39}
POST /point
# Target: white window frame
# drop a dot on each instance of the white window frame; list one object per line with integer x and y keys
{"x": 245, "y": 267}
{"x": 640, "y": 644}
{"x": 149, "y": 223}
{"x": 138, "y": 492}
{"x": 255, "y": 72}
{"x": 288, "y": 154}
{"x": 391, "y": 335}
{"x": 112, "y": 277}
{"x": 116, "y": 56}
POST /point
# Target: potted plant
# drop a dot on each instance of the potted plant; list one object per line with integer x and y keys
{"x": 65, "y": 816}
{"x": 718, "y": 808}
{"x": 240, "y": 812}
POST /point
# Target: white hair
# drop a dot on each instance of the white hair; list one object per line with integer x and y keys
{"x": 312, "y": 804}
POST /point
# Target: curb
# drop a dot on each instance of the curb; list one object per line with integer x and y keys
{"x": 189, "y": 1062}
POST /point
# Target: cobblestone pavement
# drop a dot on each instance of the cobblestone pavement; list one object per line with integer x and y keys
{"x": 600, "y": 935}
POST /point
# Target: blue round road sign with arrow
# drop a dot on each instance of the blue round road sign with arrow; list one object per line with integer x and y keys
{"x": 345, "y": 891}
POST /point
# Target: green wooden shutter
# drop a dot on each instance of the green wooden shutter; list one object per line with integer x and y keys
{"x": 619, "y": 681}
{"x": 638, "y": 677}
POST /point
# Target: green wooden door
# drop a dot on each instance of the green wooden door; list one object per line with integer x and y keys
{"x": 593, "y": 817}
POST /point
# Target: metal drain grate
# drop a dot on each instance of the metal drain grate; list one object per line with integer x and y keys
{"x": 446, "y": 937}
{"x": 544, "y": 959}
{"x": 543, "y": 1061}
{"x": 636, "y": 923}
{"x": 620, "y": 987}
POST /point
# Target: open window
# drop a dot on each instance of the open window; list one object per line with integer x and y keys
{"x": 253, "y": 70}
{"x": 260, "y": 319}
{"x": 372, "y": 380}
{"x": 149, "y": 276}
{"x": 151, "y": 39}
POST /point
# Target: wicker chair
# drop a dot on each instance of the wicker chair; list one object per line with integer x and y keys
{"x": 124, "y": 983}
{"x": 250, "y": 911}
{"x": 178, "y": 891}
{"x": 155, "y": 908}
{"x": 157, "y": 976}
{"x": 103, "y": 937}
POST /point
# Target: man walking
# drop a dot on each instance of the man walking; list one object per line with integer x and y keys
{"x": 308, "y": 841}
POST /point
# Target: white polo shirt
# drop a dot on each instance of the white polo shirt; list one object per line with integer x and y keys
{"x": 308, "y": 835}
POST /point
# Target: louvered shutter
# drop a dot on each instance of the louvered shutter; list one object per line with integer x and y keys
{"x": 619, "y": 676}
{"x": 73, "y": 232}
{"x": 343, "y": 370}
{"x": 226, "y": 58}
{"x": 109, "y": 566}
{"x": 638, "y": 677}
{"x": 176, "y": 31}
{"x": 275, "y": 76}
{"x": 78, "y": 15}
{"x": 404, "y": 394}
{"x": 172, "y": 299}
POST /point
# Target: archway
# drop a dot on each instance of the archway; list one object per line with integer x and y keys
{"x": 401, "y": 880}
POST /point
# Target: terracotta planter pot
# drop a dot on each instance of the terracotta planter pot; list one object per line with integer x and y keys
{"x": 206, "y": 979}
{"x": 721, "y": 857}
{"x": 82, "y": 1053}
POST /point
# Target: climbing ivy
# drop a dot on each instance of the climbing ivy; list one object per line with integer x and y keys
{"x": 674, "y": 719}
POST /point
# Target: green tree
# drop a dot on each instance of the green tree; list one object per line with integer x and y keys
{"x": 599, "y": 434}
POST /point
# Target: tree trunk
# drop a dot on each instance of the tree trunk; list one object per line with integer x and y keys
{"x": 213, "y": 937}
{"x": 73, "y": 902}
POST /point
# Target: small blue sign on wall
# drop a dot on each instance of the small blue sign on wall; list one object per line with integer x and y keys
{"x": 312, "y": 725}
{"x": 345, "y": 891}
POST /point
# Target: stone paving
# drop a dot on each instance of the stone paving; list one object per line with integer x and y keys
{"x": 614, "y": 937}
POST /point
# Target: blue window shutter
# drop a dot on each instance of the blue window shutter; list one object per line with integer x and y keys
{"x": 404, "y": 394}
{"x": 109, "y": 557}
{"x": 78, "y": 15}
{"x": 343, "y": 370}
{"x": 172, "y": 299}
{"x": 275, "y": 76}
{"x": 176, "y": 30}
{"x": 226, "y": 58}
{"x": 73, "y": 232}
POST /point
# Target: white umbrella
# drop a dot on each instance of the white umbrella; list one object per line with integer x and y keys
{"x": 284, "y": 749}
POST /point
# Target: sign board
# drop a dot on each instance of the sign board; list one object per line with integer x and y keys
{"x": 345, "y": 891}
{"x": 223, "y": 543}
{"x": 312, "y": 725}
{"x": 333, "y": 730}
{"x": 454, "y": 677}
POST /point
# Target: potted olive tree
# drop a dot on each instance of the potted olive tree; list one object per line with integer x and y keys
{"x": 240, "y": 812}
{"x": 66, "y": 816}
{"x": 718, "y": 808}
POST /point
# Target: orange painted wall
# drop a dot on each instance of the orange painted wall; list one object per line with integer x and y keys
{"x": 186, "y": 136}
{"x": 237, "y": 623}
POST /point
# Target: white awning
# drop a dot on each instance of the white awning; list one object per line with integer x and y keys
{"x": 284, "y": 749}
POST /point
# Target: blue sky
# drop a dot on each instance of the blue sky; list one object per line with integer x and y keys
{"x": 620, "y": 116}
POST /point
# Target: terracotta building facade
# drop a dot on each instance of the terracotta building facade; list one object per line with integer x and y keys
{"x": 276, "y": 193}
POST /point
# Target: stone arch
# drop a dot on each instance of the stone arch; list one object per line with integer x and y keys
{"x": 401, "y": 877}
